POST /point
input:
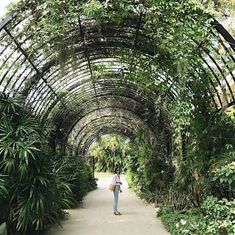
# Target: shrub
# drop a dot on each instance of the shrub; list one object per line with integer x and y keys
{"x": 214, "y": 217}
{"x": 76, "y": 173}
{"x": 223, "y": 178}
{"x": 35, "y": 186}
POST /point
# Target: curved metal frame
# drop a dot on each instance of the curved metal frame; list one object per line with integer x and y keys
{"x": 40, "y": 87}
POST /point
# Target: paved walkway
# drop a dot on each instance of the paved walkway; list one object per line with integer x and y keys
{"x": 95, "y": 216}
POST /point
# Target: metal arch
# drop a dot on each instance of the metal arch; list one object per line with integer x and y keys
{"x": 96, "y": 126}
{"x": 82, "y": 85}
{"x": 5, "y": 21}
{"x": 226, "y": 64}
{"x": 217, "y": 25}
{"x": 221, "y": 72}
{"x": 103, "y": 132}
{"x": 97, "y": 122}
{"x": 112, "y": 119}
{"x": 215, "y": 76}
{"x": 124, "y": 98}
{"x": 226, "y": 35}
{"x": 93, "y": 49}
{"x": 78, "y": 117}
{"x": 88, "y": 143}
{"x": 53, "y": 104}
{"x": 71, "y": 123}
{"x": 208, "y": 53}
{"x": 84, "y": 65}
{"x": 89, "y": 129}
{"x": 77, "y": 99}
{"x": 96, "y": 119}
{"x": 72, "y": 85}
{"x": 111, "y": 97}
{"x": 24, "y": 53}
{"x": 224, "y": 46}
{"x": 122, "y": 129}
{"x": 86, "y": 95}
{"x": 100, "y": 124}
{"x": 38, "y": 48}
{"x": 215, "y": 90}
{"x": 27, "y": 57}
{"x": 230, "y": 91}
{"x": 13, "y": 51}
{"x": 16, "y": 60}
{"x": 114, "y": 109}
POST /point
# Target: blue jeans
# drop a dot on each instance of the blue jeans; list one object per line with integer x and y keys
{"x": 116, "y": 193}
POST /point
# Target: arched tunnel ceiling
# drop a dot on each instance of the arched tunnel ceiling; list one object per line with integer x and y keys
{"x": 65, "y": 91}
{"x": 104, "y": 121}
{"x": 104, "y": 131}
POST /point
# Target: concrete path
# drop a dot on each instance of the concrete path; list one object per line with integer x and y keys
{"x": 95, "y": 216}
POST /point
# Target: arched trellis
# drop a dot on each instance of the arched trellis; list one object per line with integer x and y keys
{"x": 103, "y": 131}
{"x": 115, "y": 88}
{"x": 107, "y": 117}
{"x": 50, "y": 63}
{"x": 36, "y": 77}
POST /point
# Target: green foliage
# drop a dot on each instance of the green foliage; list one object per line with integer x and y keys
{"x": 226, "y": 175}
{"x": 148, "y": 168}
{"x": 73, "y": 171}
{"x": 213, "y": 218}
{"x": 170, "y": 30}
{"x": 223, "y": 181}
{"x": 3, "y": 188}
{"x": 206, "y": 170}
{"x": 179, "y": 223}
{"x": 218, "y": 209}
{"x": 110, "y": 152}
{"x": 34, "y": 185}
{"x": 26, "y": 170}
{"x": 94, "y": 8}
{"x": 176, "y": 199}
{"x": 210, "y": 144}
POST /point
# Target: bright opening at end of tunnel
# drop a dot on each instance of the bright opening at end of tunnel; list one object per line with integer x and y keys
{"x": 110, "y": 152}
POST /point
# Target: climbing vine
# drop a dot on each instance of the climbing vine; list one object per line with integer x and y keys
{"x": 165, "y": 56}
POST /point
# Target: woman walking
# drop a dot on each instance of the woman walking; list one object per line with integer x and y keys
{"x": 117, "y": 183}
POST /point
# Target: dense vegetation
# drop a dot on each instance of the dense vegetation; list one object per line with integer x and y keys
{"x": 202, "y": 191}
{"x": 184, "y": 162}
{"x": 196, "y": 192}
{"x": 35, "y": 185}
{"x": 110, "y": 152}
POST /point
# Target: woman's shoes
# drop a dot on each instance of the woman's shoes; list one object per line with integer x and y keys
{"x": 117, "y": 213}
